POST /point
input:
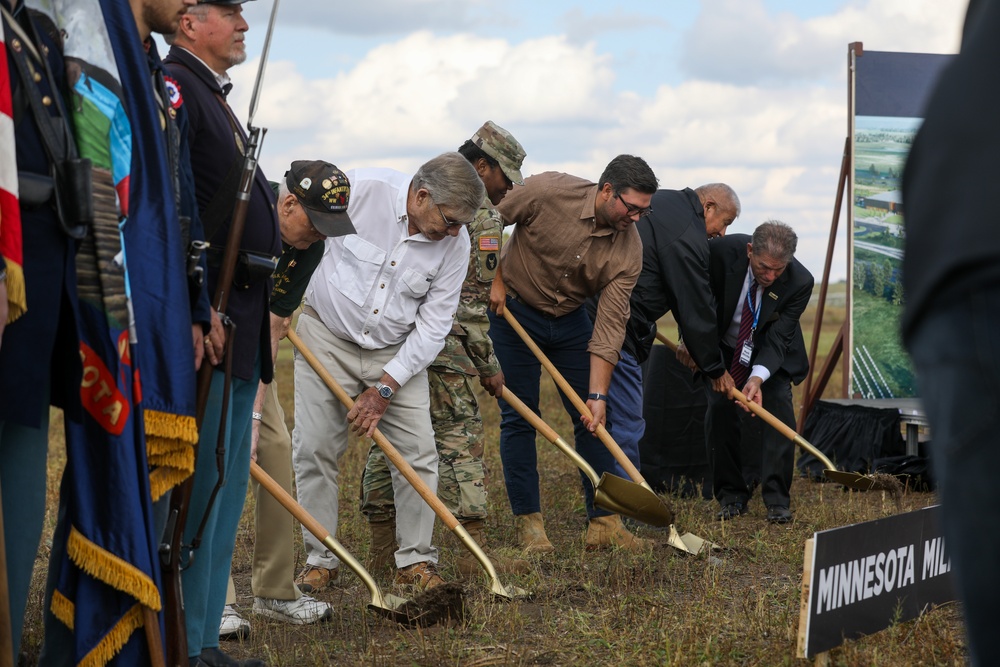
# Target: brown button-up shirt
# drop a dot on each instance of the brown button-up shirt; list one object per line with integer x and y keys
{"x": 558, "y": 255}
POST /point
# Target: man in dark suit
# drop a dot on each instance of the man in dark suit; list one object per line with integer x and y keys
{"x": 760, "y": 291}
{"x": 951, "y": 275}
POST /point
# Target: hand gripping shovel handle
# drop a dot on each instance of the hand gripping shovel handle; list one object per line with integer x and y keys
{"x": 781, "y": 427}
{"x": 409, "y": 473}
{"x": 578, "y": 403}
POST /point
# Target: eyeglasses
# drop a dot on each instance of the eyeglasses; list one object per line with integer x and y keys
{"x": 633, "y": 209}
{"x": 451, "y": 223}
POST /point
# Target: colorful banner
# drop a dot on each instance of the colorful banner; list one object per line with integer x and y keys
{"x": 889, "y": 96}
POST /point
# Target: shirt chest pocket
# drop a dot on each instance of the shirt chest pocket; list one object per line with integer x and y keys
{"x": 358, "y": 269}
{"x": 410, "y": 293}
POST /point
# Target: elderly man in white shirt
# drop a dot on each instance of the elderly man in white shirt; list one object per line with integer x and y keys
{"x": 376, "y": 314}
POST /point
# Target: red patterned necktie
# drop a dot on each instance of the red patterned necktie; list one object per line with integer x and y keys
{"x": 740, "y": 372}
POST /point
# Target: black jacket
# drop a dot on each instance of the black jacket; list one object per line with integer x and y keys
{"x": 213, "y": 152}
{"x": 778, "y": 343}
{"x": 674, "y": 279}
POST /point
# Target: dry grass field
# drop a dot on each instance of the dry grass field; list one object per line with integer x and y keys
{"x": 738, "y": 607}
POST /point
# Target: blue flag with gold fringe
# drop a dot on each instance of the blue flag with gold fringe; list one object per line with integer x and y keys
{"x": 136, "y": 341}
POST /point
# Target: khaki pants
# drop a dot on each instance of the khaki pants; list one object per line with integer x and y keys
{"x": 274, "y": 547}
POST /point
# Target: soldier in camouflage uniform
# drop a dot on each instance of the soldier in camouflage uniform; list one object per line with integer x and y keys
{"x": 467, "y": 353}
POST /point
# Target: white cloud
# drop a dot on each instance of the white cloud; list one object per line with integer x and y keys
{"x": 765, "y": 110}
{"x": 739, "y": 41}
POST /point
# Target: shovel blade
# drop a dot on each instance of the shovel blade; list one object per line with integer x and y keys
{"x": 627, "y": 498}
{"x": 852, "y": 480}
{"x": 689, "y": 542}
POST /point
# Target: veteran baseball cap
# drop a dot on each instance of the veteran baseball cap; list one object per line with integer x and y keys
{"x": 501, "y": 145}
{"x": 324, "y": 192}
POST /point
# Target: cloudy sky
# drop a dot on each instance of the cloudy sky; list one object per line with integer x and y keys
{"x": 750, "y": 92}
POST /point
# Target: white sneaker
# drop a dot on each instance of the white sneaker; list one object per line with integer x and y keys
{"x": 303, "y": 611}
{"x": 232, "y": 625}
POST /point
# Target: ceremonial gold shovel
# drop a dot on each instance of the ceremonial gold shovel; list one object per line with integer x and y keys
{"x": 851, "y": 480}
{"x": 392, "y": 606}
{"x": 509, "y": 592}
{"x": 687, "y": 542}
{"x": 611, "y": 492}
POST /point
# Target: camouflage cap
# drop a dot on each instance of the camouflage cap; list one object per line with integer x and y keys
{"x": 324, "y": 192}
{"x": 501, "y": 145}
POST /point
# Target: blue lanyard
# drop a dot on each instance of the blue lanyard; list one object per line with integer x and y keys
{"x": 756, "y": 313}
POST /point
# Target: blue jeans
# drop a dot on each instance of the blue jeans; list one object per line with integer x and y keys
{"x": 625, "y": 422}
{"x": 955, "y": 351}
{"x": 564, "y": 341}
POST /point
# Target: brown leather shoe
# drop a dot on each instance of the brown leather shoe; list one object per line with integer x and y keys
{"x": 314, "y": 578}
{"x": 468, "y": 565}
{"x": 605, "y": 532}
{"x": 531, "y": 534}
{"x": 422, "y": 576}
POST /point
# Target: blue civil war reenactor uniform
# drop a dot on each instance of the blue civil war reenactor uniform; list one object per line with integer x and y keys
{"x": 39, "y": 355}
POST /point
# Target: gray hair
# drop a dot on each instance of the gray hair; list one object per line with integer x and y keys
{"x": 721, "y": 194}
{"x": 451, "y": 181}
{"x": 775, "y": 239}
{"x": 199, "y": 11}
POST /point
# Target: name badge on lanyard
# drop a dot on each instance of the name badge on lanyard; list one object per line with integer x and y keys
{"x": 747, "y": 350}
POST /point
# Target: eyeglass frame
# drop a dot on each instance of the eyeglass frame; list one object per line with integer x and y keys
{"x": 632, "y": 209}
{"x": 451, "y": 223}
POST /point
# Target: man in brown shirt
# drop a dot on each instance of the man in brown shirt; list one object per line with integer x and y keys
{"x": 573, "y": 239}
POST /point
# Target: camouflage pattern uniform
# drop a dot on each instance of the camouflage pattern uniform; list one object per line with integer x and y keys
{"x": 458, "y": 426}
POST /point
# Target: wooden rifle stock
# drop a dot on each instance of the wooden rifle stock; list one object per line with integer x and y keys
{"x": 180, "y": 498}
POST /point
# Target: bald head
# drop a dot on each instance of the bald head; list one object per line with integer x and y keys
{"x": 722, "y": 207}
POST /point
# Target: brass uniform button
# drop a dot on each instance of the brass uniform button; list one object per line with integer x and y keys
{"x": 47, "y": 101}
{"x": 37, "y": 77}
{"x": 15, "y": 44}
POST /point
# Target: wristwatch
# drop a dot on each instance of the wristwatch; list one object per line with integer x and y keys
{"x": 384, "y": 390}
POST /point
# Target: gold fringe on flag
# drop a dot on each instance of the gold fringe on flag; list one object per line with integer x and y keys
{"x": 17, "y": 297}
{"x": 170, "y": 440}
{"x": 112, "y": 570}
{"x": 63, "y": 609}
{"x": 111, "y": 644}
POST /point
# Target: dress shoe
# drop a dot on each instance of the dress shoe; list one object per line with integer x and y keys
{"x": 213, "y": 657}
{"x": 731, "y": 511}
{"x": 779, "y": 514}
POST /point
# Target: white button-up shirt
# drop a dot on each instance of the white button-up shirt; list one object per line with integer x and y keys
{"x": 382, "y": 286}
{"x": 733, "y": 332}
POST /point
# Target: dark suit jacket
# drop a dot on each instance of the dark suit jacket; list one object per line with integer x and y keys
{"x": 778, "y": 343}
{"x": 213, "y": 151}
{"x": 674, "y": 279}
{"x": 952, "y": 244}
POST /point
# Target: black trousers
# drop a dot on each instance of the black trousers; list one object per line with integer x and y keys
{"x": 723, "y": 439}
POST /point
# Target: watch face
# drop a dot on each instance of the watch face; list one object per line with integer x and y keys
{"x": 384, "y": 391}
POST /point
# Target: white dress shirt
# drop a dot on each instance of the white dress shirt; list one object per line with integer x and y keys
{"x": 382, "y": 286}
{"x": 733, "y": 332}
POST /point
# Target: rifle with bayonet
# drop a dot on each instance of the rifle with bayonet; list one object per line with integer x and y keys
{"x": 172, "y": 548}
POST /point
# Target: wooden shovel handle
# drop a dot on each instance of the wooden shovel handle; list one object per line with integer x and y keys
{"x": 578, "y": 403}
{"x": 781, "y": 427}
{"x": 289, "y": 503}
{"x": 390, "y": 452}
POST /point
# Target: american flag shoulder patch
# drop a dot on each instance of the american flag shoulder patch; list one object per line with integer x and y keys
{"x": 489, "y": 243}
